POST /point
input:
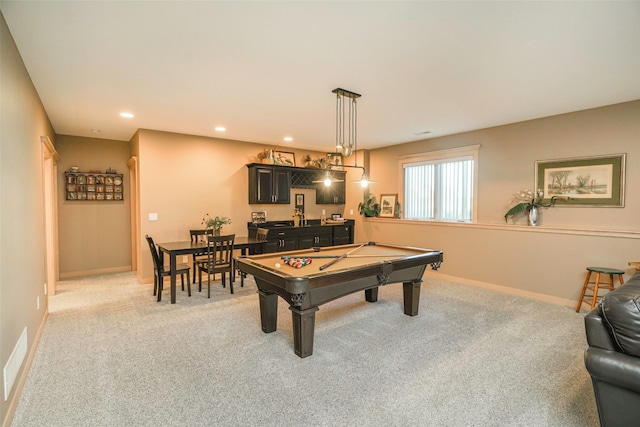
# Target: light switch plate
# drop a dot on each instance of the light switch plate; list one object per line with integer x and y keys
{"x": 153, "y": 216}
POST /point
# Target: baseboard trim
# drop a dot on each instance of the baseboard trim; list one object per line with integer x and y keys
{"x": 81, "y": 273}
{"x": 506, "y": 289}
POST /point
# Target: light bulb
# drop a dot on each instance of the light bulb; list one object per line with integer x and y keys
{"x": 327, "y": 179}
{"x": 364, "y": 182}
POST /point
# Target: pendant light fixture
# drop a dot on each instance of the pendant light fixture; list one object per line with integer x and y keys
{"x": 346, "y": 117}
{"x": 350, "y": 145}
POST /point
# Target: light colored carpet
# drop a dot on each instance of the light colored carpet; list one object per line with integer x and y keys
{"x": 111, "y": 356}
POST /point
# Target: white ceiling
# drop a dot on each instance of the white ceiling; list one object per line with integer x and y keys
{"x": 265, "y": 70}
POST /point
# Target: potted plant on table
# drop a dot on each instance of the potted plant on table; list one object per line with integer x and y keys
{"x": 530, "y": 201}
{"x": 368, "y": 207}
{"x": 215, "y": 223}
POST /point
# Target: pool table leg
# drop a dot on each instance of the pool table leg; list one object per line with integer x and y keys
{"x": 303, "y": 328}
{"x": 371, "y": 295}
{"x": 268, "y": 311}
{"x": 411, "y": 292}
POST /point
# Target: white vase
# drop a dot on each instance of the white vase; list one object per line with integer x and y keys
{"x": 534, "y": 216}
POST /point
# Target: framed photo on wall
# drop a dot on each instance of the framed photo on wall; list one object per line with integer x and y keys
{"x": 388, "y": 205}
{"x": 587, "y": 181}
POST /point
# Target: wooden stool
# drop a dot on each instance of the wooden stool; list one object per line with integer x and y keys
{"x": 597, "y": 285}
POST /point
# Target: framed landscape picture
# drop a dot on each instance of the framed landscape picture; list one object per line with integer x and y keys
{"x": 587, "y": 181}
{"x": 388, "y": 205}
{"x": 284, "y": 158}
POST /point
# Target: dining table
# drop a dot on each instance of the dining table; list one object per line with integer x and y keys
{"x": 246, "y": 245}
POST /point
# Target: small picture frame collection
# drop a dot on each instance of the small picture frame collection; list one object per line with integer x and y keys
{"x": 93, "y": 185}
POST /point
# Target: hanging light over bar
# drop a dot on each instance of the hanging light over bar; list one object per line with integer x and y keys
{"x": 347, "y": 147}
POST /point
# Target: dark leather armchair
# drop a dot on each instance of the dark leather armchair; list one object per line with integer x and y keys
{"x": 613, "y": 355}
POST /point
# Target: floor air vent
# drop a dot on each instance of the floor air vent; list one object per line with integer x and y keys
{"x": 14, "y": 363}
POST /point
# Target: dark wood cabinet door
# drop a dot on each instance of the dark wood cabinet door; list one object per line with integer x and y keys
{"x": 271, "y": 247}
{"x": 343, "y": 234}
{"x": 315, "y": 236}
{"x": 325, "y": 240}
{"x": 289, "y": 244}
{"x": 341, "y": 241}
{"x": 269, "y": 185}
{"x": 264, "y": 188}
{"x": 282, "y": 186}
{"x": 306, "y": 242}
{"x": 332, "y": 195}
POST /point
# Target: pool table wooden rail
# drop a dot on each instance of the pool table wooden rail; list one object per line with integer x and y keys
{"x": 308, "y": 287}
{"x": 293, "y": 289}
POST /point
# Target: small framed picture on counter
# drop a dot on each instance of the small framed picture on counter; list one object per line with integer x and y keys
{"x": 299, "y": 202}
{"x": 259, "y": 217}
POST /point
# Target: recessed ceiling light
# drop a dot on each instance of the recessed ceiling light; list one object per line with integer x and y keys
{"x": 126, "y": 115}
{"x": 288, "y": 138}
{"x": 95, "y": 130}
{"x": 422, "y": 133}
{"x": 220, "y": 128}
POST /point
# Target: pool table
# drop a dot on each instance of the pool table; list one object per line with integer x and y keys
{"x": 334, "y": 272}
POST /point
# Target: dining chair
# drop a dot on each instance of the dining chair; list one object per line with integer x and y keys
{"x": 159, "y": 272}
{"x": 199, "y": 236}
{"x": 219, "y": 260}
{"x": 261, "y": 236}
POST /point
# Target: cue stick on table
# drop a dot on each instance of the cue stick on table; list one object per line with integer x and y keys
{"x": 330, "y": 263}
{"x": 337, "y": 256}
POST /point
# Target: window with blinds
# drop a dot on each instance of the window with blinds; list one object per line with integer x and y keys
{"x": 439, "y": 188}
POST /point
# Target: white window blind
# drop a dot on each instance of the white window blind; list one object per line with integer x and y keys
{"x": 440, "y": 189}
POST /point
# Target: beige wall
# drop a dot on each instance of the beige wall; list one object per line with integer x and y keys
{"x": 94, "y": 236}
{"x": 184, "y": 177}
{"x": 508, "y": 153}
{"x": 22, "y": 253}
{"x": 551, "y": 259}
